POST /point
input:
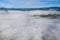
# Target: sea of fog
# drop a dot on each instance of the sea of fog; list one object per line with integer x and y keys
{"x": 22, "y": 25}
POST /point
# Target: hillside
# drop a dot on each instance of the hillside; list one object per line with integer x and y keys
{"x": 29, "y": 9}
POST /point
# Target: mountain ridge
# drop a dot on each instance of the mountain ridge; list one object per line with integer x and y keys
{"x": 29, "y": 9}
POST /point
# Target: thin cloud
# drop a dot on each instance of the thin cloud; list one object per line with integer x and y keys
{"x": 6, "y": 5}
{"x": 29, "y": 3}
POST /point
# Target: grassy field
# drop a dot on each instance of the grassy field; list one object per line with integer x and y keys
{"x": 52, "y": 16}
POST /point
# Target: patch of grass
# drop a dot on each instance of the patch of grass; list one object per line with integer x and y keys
{"x": 51, "y": 16}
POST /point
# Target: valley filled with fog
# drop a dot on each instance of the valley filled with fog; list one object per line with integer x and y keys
{"x": 23, "y": 25}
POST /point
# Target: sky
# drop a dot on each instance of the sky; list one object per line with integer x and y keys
{"x": 29, "y": 3}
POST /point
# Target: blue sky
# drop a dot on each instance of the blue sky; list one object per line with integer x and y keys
{"x": 29, "y": 3}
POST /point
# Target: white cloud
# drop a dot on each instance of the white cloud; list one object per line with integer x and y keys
{"x": 6, "y": 5}
{"x": 27, "y": 3}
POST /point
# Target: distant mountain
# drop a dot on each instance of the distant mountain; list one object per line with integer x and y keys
{"x": 29, "y": 9}
{"x": 51, "y": 8}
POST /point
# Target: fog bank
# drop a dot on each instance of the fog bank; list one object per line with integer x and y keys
{"x": 22, "y": 25}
